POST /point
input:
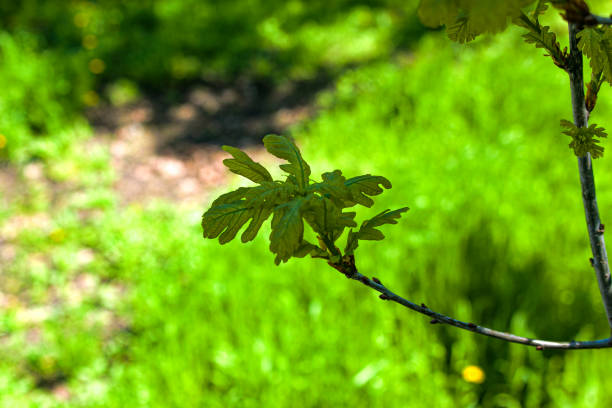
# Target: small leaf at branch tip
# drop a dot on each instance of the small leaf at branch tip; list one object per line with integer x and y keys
{"x": 376, "y": 280}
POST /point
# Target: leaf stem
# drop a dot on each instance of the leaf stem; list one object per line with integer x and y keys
{"x": 587, "y": 180}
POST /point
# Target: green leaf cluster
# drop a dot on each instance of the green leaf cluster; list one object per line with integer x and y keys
{"x": 596, "y": 44}
{"x": 541, "y": 36}
{"x": 584, "y": 139}
{"x": 294, "y": 202}
{"x": 466, "y": 19}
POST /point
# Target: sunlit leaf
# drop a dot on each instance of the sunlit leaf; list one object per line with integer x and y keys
{"x": 326, "y": 218}
{"x": 284, "y": 148}
{"x": 292, "y": 202}
{"x": 540, "y": 9}
{"x": 596, "y": 43}
{"x": 460, "y": 31}
{"x": 369, "y": 231}
{"x": 541, "y": 37}
{"x": 367, "y": 185}
{"x": 231, "y": 211}
{"x": 585, "y": 139}
{"x": 435, "y": 13}
{"x": 287, "y": 229}
{"x": 244, "y": 166}
{"x": 306, "y": 248}
{"x": 466, "y": 19}
{"x": 225, "y": 220}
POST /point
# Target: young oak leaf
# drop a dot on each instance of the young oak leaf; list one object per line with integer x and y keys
{"x": 435, "y": 13}
{"x": 326, "y": 218}
{"x": 461, "y": 31}
{"x": 244, "y": 166}
{"x": 225, "y": 220}
{"x": 368, "y": 230}
{"x": 466, "y": 19}
{"x": 597, "y": 46}
{"x": 333, "y": 188}
{"x": 271, "y": 193}
{"x": 585, "y": 139}
{"x": 287, "y": 229}
{"x": 284, "y": 148}
{"x": 231, "y": 211}
{"x": 361, "y": 187}
{"x": 291, "y": 202}
{"x": 541, "y": 37}
{"x": 540, "y": 9}
{"x": 306, "y": 248}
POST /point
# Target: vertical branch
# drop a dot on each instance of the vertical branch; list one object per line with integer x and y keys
{"x": 587, "y": 181}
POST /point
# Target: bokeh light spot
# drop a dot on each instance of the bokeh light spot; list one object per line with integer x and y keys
{"x": 91, "y": 98}
{"x": 90, "y": 41}
{"x": 81, "y": 20}
{"x": 97, "y": 66}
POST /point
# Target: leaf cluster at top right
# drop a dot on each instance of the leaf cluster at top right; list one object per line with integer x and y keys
{"x": 596, "y": 44}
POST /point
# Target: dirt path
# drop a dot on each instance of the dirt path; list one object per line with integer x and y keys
{"x": 172, "y": 150}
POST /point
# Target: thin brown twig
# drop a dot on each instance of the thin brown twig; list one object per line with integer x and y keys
{"x": 386, "y": 294}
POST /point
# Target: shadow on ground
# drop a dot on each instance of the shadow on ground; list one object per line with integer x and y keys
{"x": 212, "y": 114}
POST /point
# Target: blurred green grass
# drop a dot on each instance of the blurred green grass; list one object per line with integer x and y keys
{"x": 58, "y": 57}
{"x": 469, "y": 137}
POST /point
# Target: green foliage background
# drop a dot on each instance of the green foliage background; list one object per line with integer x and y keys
{"x": 468, "y": 135}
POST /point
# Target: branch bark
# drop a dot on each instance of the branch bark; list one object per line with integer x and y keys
{"x": 602, "y": 20}
{"x": 587, "y": 182}
{"x": 351, "y": 272}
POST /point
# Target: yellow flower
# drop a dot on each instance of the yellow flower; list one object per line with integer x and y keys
{"x": 473, "y": 374}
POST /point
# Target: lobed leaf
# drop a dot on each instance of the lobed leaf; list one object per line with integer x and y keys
{"x": 225, "y": 220}
{"x": 434, "y": 13}
{"x": 368, "y": 230}
{"x": 326, "y": 218}
{"x": 244, "y": 166}
{"x": 284, "y": 148}
{"x": 333, "y": 188}
{"x": 271, "y": 194}
{"x": 585, "y": 139}
{"x": 596, "y": 44}
{"x": 461, "y": 31}
{"x": 363, "y": 186}
{"x": 287, "y": 229}
{"x": 540, "y": 9}
{"x": 231, "y": 211}
{"x": 466, "y": 19}
{"x": 542, "y": 37}
{"x": 293, "y": 201}
{"x": 306, "y": 248}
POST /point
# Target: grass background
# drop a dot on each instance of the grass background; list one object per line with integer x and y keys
{"x": 469, "y": 137}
